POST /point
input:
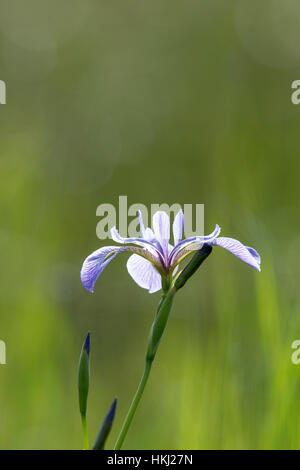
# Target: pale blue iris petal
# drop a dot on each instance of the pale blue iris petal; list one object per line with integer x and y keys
{"x": 254, "y": 253}
{"x": 143, "y": 273}
{"x": 142, "y": 227}
{"x": 96, "y": 262}
{"x": 178, "y": 227}
{"x": 146, "y": 233}
{"x": 244, "y": 253}
{"x": 161, "y": 227}
{"x": 149, "y": 235}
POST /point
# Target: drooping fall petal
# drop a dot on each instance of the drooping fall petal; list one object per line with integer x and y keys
{"x": 244, "y": 253}
{"x": 144, "y": 273}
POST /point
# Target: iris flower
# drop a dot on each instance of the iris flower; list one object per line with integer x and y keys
{"x": 153, "y": 258}
{"x": 153, "y": 265}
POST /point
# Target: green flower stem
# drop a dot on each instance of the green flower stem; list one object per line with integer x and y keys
{"x": 134, "y": 405}
{"x": 170, "y": 287}
{"x": 86, "y": 444}
{"x": 156, "y": 332}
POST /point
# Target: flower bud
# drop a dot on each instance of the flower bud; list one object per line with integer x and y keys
{"x": 84, "y": 375}
{"x": 193, "y": 265}
{"x": 105, "y": 427}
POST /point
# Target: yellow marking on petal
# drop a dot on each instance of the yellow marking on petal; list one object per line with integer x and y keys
{"x": 109, "y": 254}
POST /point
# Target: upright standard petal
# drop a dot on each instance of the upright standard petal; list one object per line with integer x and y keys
{"x": 178, "y": 227}
{"x": 142, "y": 227}
{"x": 146, "y": 233}
{"x": 144, "y": 273}
{"x": 161, "y": 227}
{"x": 244, "y": 253}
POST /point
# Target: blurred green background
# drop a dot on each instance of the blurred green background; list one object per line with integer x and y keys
{"x": 162, "y": 101}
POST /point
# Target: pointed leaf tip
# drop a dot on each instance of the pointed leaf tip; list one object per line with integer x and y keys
{"x": 112, "y": 411}
{"x": 84, "y": 375}
{"x": 87, "y": 343}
